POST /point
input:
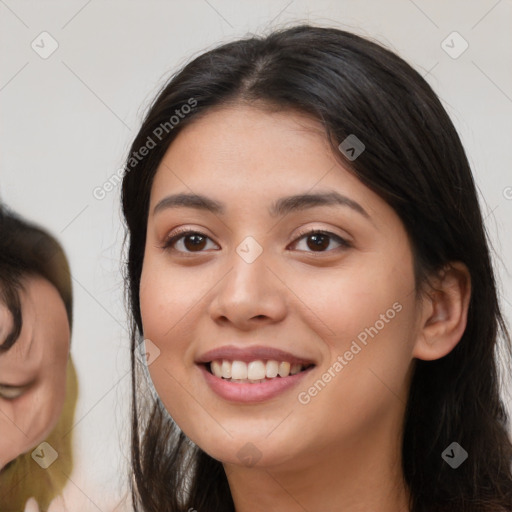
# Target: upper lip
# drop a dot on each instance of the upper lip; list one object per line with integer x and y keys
{"x": 248, "y": 354}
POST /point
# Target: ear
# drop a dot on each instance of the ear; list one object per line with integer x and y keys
{"x": 443, "y": 312}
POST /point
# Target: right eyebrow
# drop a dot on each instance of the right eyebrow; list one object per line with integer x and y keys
{"x": 196, "y": 201}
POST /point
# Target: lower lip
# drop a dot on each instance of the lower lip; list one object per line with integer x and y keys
{"x": 251, "y": 393}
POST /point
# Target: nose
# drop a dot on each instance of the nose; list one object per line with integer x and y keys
{"x": 249, "y": 295}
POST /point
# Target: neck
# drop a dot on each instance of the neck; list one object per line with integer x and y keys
{"x": 362, "y": 475}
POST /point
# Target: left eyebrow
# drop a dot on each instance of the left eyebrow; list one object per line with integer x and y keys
{"x": 281, "y": 207}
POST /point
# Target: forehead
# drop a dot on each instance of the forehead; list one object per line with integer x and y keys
{"x": 45, "y": 328}
{"x": 6, "y": 322}
{"x": 255, "y": 154}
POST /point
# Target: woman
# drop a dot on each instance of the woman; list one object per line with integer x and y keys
{"x": 38, "y": 388}
{"x": 308, "y": 266}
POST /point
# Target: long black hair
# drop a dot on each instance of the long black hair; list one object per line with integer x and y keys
{"x": 415, "y": 161}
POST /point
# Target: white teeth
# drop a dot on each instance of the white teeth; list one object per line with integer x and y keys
{"x": 284, "y": 369}
{"x": 255, "y": 371}
{"x": 226, "y": 369}
{"x": 272, "y": 369}
{"x": 295, "y": 368}
{"x": 238, "y": 370}
{"x": 216, "y": 368}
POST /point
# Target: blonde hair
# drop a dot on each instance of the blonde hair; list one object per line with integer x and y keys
{"x": 23, "y": 478}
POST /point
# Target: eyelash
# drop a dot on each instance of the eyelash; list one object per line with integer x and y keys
{"x": 171, "y": 240}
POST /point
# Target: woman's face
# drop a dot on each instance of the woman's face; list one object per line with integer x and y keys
{"x": 258, "y": 297}
{"x": 33, "y": 370}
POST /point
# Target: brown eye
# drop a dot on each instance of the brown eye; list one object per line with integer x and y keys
{"x": 319, "y": 241}
{"x": 191, "y": 241}
{"x": 194, "y": 242}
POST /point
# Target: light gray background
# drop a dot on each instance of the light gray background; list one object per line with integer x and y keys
{"x": 68, "y": 121}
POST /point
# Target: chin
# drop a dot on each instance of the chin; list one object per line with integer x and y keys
{"x": 249, "y": 451}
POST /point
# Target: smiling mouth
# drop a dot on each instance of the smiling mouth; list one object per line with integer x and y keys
{"x": 254, "y": 372}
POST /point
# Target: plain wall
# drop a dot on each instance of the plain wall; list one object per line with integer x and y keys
{"x": 67, "y": 122}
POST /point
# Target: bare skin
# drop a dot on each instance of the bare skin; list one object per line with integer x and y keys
{"x": 338, "y": 448}
{"x": 33, "y": 370}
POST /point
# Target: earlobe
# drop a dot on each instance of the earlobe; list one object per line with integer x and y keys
{"x": 443, "y": 312}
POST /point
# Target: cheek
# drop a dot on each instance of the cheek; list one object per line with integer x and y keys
{"x": 365, "y": 298}
{"x": 12, "y": 440}
{"x": 39, "y": 410}
{"x": 166, "y": 295}
{"x": 167, "y": 298}
{"x": 29, "y": 424}
{"x": 172, "y": 305}
{"x": 51, "y": 394}
{"x": 368, "y": 320}
{"x": 56, "y": 389}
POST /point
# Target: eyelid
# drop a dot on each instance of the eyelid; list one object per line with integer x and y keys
{"x": 344, "y": 243}
{"x": 12, "y": 392}
{"x": 180, "y": 233}
{"x": 312, "y": 231}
